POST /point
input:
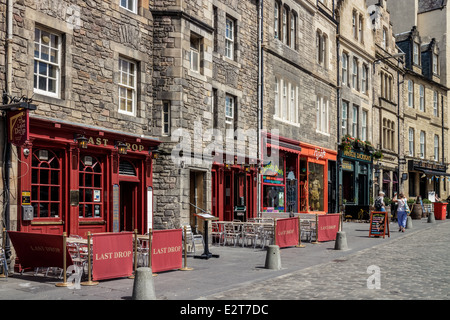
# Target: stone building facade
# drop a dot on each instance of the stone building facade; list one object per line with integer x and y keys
{"x": 387, "y": 103}
{"x": 419, "y": 24}
{"x": 87, "y": 66}
{"x": 206, "y": 82}
{"x": 300, "y": 72}
{"x": 357, "y": 118}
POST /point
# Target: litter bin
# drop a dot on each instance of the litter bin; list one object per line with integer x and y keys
{"x": 440, "y": 210}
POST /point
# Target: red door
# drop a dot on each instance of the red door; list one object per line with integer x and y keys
{"x": 228, "y": 196}
{"x": 128, "y": 201}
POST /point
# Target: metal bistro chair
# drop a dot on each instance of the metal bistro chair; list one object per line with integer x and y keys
{"x": 250, "y": 232}
{"x": 217, "y": 231}
{"x": 142, "y": 252}
{"x": 267, "y": 235}
{"x": 192, "y": 239}
{"x": 231, "y": 232}
{"x": 4, "y": 262}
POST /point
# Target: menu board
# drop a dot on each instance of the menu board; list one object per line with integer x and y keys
{"x": 379, "y": 224}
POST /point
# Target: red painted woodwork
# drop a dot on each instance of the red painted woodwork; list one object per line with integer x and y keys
{"x": 72, "y": 189}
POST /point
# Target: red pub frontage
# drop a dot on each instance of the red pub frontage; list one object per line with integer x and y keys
{"x": 77, "y": 179}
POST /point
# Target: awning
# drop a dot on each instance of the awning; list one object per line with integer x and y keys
{"x": 434, "y": 172}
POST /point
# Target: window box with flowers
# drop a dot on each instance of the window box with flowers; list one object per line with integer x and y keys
{"x": 378, "y": 154}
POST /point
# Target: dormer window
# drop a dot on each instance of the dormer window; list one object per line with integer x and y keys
{"x": 416, "y": 53}
{"x": 435, "y": 63}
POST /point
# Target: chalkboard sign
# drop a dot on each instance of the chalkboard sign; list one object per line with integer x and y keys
{"x": 379, "y": 224}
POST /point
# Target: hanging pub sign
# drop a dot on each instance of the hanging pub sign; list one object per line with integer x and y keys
{"x": 18, "y": 127}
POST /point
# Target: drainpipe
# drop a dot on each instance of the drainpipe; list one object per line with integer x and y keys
{"x": 260, "y": 104}
{"x": 7, "y": 145}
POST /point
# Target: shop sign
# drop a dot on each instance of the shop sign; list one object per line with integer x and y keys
{"x": 420, "y": 165}
{"x": 272, "y": 173}
{"x": 166, "y": 250}
{"x": 357, "y": 155}
{"x": 39, "y": 250}
{"x": 99, "y": 141}
{"x": 18, "y": 127}
{"x": 328, "y": 226}
{"x": 287, "y": 232}
{"x": 112, "y": 255}
{"x": 346, "y": 165}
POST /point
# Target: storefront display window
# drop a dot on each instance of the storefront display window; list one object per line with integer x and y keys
{"x": 273, "y": 199}
{"x": 316, "y": 188}
{"x": 91, "y": 187}
{"x": 45, "y": 184}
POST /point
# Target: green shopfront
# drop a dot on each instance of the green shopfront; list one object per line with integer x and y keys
{"x": 355, "y": 179}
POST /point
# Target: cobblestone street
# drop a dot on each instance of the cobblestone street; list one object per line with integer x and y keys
{"x": 411, "y": 267}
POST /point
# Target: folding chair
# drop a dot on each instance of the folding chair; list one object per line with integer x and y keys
{"x": 3, "y": 262}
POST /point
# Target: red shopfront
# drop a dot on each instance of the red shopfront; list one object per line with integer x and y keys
{"x": 301, "y": 181}
{"x": 75, "y": 189}
{"x": 234, "y": 189}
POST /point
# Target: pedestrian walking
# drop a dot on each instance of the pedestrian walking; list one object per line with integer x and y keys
{"x": 379, "y": 202}
{"x": 402, "y": 210}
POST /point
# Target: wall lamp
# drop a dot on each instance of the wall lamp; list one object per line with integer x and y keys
{"x": 82, "y": 141}
{"x": 121, "y": 147}
{"x": 155, "y": 152}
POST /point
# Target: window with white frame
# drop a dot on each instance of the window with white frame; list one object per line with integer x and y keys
{"x": 284, "y": 23}
{"x": 436, "y": 147}
{"x": 354, "y": 25}
{"x": 388, "y": 134}
{"x": 364, "y": 81}
{"x": 411, "y": 142}
{"x": 127, "y": 86}
{"x": 277, "y": 97}
{"x": 361, "y": 28}
{"x": 322, "y": 114}
{"x": 293, "y": 27}
{"x": 47, "y": 62}
{"x": 344, "y": 68}
{"x": 355, "y": 121}
{"x": 229, "y": 109}
{"x": 435, "y": 64}
{"x": 384, "y": 42}
{"x": 410, "y": 94}
{"x": 421, "y": 98}
{"x": 422, "y": 145}
{"x": 194, "y": 54}
{"x": 229, "y": 38}
{"x": 276, "y": 20}
{"x": 130, "y": 5}
{"x": 166, "y": 118}
{"x": 355, "y": 74}
{"x": 364, "y": 125}
{"x": 344, "y": 124}
{"x": 416, "y": 53}
{"x": 284, "y": 100}
{"x": 435, "y": 103}
{"x": 292, "y": 104}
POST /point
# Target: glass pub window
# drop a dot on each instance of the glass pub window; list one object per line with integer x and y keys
{"x": 46, "y": 184}
{"x": 91, "y": 187}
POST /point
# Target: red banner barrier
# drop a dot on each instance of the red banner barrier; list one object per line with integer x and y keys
{"x": 166, "y": 250}
{"x": 39, "y": 249}
{"x": 287, "y": 232}
{"x": 112, "y": 255}
{"x": 328, "y": 226}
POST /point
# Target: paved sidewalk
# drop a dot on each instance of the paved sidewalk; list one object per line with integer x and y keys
{"x": 239, "y": 273}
